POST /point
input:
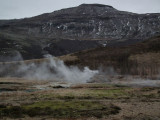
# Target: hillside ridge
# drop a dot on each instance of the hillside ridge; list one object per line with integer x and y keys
{"x": 90, "y": 25}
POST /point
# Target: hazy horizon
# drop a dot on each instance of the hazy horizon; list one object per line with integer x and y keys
{"x": 21, "y": 8}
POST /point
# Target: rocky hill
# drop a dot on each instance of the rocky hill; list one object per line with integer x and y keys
{"x": 74, "y": 29}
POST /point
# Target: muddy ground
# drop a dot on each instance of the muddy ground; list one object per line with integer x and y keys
{"x": 47, "y": 100}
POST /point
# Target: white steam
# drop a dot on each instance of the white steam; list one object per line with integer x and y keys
{"x": 55, "y": 70}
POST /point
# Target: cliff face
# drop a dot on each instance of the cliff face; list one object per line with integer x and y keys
{"x": 85, "y": 22}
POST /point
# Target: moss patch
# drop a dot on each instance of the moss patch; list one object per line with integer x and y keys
{"x": 61, "y": 109}
{"x": 88, "y": 93}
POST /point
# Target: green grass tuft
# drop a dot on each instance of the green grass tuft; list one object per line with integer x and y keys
{"x": 61, "y": 109}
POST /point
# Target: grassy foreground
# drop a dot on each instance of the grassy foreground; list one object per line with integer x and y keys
{"x": 82, "y": 101}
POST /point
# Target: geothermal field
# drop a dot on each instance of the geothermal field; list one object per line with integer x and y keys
{"x": 79, "y": 60}
{"x": 47, "y": 89}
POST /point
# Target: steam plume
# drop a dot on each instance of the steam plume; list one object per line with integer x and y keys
{"x": 55, "y": 70}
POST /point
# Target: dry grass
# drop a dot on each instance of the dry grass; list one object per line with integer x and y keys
{"x": 69, "y": 57}
{"x": 146, "y": 58}
{"x": 146, "y": 64}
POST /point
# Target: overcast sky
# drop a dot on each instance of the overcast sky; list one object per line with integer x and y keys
{"x": 11, "y": 9}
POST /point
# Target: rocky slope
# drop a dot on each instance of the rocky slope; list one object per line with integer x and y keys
{"x": 98, "y": 23}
